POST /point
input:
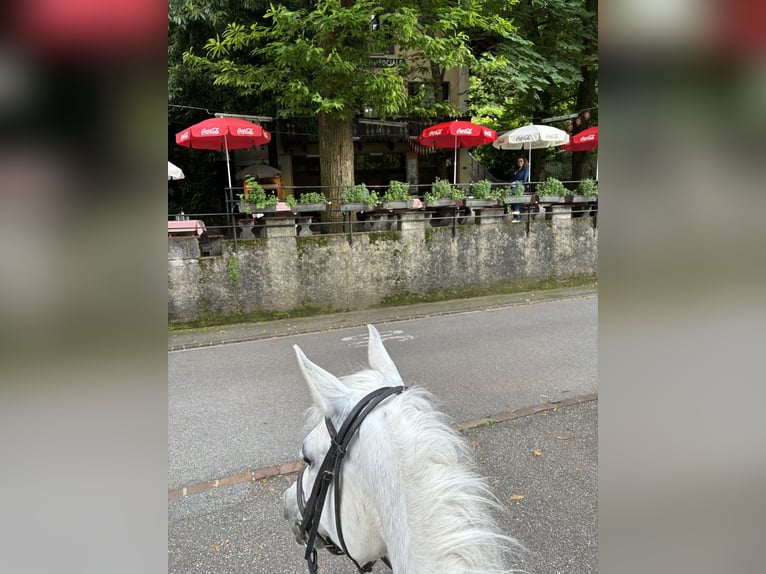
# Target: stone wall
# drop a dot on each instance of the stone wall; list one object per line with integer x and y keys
{"x": 332, "y": 273}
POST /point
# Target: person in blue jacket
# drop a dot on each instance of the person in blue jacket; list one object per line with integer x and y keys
{"x": 520, "y": 174}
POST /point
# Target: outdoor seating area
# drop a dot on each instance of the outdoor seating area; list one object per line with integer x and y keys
{"x": 282, "y": 219}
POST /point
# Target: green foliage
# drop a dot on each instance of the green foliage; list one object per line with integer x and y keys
{"x": 587, "y": 187}
{"x": 232, "y": 267}
{"x": 516, "y": 188}
{"x": 254, "y": 196}
{"x": 291, "y": 202}
{"x": 305, "y": 58}
{"x": 359, "y": 194}
{"x": 315, "y": 57}
{"x": 312, "y": 197}
{"x": 547, "y": 67}
{"x": 397, "y": 191}
{"x": 551, "y": 186}
{"x": 442, "y": 189}
{"x": 482, "y": 189}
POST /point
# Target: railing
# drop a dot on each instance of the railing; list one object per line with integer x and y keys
{"x": 235, "y": 226}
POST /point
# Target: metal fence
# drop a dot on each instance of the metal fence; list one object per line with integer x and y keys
{"x": 236, "y": 226}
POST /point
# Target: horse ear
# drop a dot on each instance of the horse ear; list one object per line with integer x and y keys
{"x": 327, "y": 391}
{"x": 380, "y": 360}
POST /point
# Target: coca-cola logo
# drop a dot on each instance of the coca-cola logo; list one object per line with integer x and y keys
{"x": 588, "y": 138}
{"x": 433, "y": 133}
{"x": 211, "y": 131}
{"x": 184, "y": 136}
{"x": 245, "y": 131}
{"x": 464, "y": 131}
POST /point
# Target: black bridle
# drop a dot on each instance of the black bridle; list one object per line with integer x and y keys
{"x": 330, "y": 473}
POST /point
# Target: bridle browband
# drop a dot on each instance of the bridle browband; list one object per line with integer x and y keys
{"x": 330, "y": 473}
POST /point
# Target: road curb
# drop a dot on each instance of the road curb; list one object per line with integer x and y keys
{"x": 240, "y": 333}
{"x": 295, "y": 466}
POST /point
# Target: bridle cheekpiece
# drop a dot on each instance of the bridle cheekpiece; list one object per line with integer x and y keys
{"x": 330, "y": 474}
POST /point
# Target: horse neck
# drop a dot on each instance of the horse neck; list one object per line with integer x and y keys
{"x": 429, "y": 504}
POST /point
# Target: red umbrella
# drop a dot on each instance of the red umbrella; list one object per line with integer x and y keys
{"x": 454, "y": 135}
{"x": 586, "y": 140}
{"x": 223, "y": 134}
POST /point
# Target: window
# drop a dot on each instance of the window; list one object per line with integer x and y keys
{"x": 376, "y": 27}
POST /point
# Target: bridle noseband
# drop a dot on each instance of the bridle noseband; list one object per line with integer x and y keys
{"x": 330, "y": 473}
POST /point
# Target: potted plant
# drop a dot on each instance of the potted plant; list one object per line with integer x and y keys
{"x": 397, "y": 195}
{"x": 516, "y": 193}
{"x": 551, "y": 191}
{"x": 442, "y": 193}
{"x": 482, "y": 194}
{"x": 311, "y": 201}
{"x": 254, "y": 198}
{"x": 586, "y": 192}
{"x": 357, "y": 198}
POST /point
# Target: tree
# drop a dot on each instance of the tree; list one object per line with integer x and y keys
{"x": 314, "y": 58}
{"x": 547, "y": 67}
{"x": 190, "y": 97}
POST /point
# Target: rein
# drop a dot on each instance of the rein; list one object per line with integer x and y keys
{"x": 330, "y": 473}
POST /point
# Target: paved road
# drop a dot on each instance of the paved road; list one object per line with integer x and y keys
{"x": 238, "y": 407}
{"x": 240, "y": 528}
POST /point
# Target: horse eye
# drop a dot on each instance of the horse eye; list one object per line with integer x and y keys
{"x": 306, "y": 459}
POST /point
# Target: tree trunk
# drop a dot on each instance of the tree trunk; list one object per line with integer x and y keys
{"x": 586, "y": 95}
{"x": 336, "y": 162}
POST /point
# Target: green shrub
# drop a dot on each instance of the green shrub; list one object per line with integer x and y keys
{"x": 551, "y": 186}
{"x": 482, "y": 189}
{"x": 397, "y": 191}
{"x": 516, "y": 188}
{"x": 359, "y": 194}
{"x": 442, "y": 189}
{"x": 587, "y": 187}
{"x": 312, "y": 197}
{"x": 255, "y": 196}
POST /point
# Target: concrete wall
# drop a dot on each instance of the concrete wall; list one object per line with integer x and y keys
{"x": 331, "y": 273}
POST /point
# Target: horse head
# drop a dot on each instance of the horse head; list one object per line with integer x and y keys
{"x": 385, "y": 477}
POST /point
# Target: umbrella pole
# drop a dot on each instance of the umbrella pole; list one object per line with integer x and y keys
{"x": 454, "y": 168}
{"x": 230, "y": 195}
{"x": 454, "y": 164}
{"x": 529, "y": 171}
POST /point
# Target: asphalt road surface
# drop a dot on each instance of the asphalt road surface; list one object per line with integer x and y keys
{"x": 542, "y": 468}
{"x": 238, "y": 407}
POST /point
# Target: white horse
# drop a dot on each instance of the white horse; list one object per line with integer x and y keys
{"x": 409, "y": 491}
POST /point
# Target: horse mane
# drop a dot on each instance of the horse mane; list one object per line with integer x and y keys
{"x": 448, "y": 500}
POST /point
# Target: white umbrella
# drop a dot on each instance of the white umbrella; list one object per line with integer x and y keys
{"x": 531, "y": 137}
{"x": 257, "y": 170}
{"x": 174, "y": 172}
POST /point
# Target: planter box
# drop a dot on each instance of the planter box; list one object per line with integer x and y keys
{"x": 514, "y": 199}
{"x": 244, "y": 207}
{"x": 584, "y": 198}
{"x": 311, "y": 207}
{"x": 355, "y": 207}
{"x": 397, "y": 204}
{"x": 441, "y": 202}
{"x": 473, "y": 202}
{"x": 551, "y": 198}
